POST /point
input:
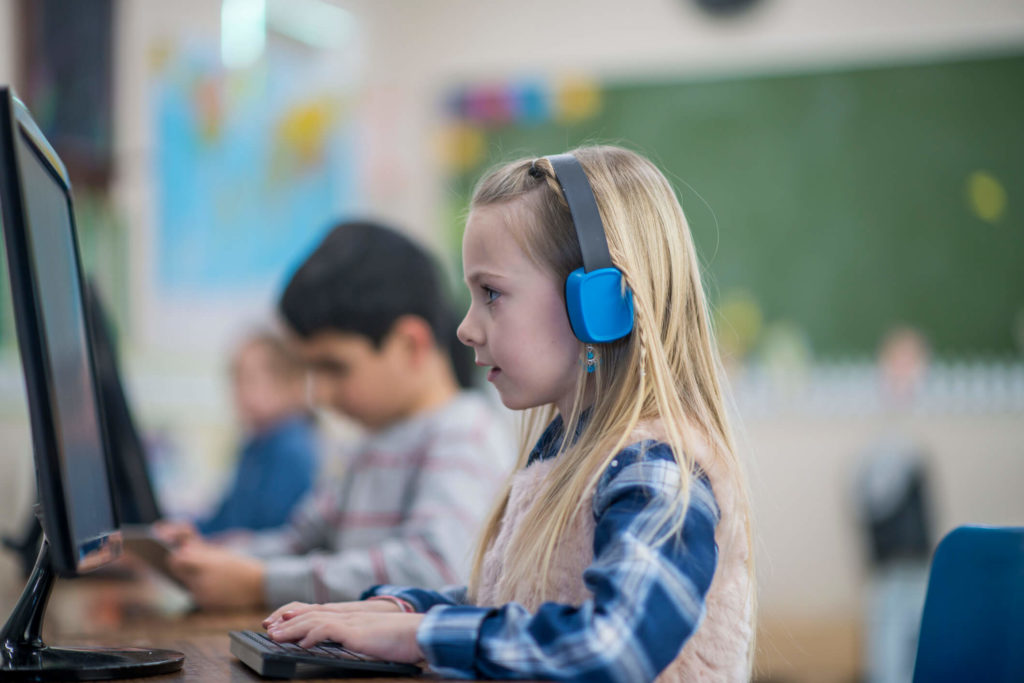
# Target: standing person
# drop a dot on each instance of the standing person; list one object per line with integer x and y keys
{"x": 894, "y": 511}
{"x": 376, "y": 332}
{"x": 278, "y": 460}
{"x": 620, "y": 549}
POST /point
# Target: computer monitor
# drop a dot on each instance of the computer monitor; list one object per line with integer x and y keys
{"x": 134, "y": 497}
{"x": 135, "y": 500}
{"x": 68, "y": 438}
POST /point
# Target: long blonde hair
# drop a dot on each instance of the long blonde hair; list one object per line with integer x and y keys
{"x": 667, "y": 369}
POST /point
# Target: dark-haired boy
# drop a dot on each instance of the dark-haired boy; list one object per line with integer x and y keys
{"x": 378, "y": 335}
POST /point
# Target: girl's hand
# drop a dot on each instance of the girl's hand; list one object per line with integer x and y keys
{"x": 390, "y": 636}
{"x": 294, "y": 609}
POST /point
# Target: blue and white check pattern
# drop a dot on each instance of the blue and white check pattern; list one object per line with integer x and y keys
{"x": 647, "y": 599}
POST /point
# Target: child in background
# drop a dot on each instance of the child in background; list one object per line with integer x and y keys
{"x": 620, "y": 549}
{"x": 373, "y": 326}
{"x": 278, "y": 461}
{"x": 893, "y": 494}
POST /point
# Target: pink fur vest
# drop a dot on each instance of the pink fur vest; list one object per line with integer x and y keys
{"x": 719, "y": 649}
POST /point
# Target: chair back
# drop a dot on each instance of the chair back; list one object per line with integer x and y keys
{"x": 972, "y": 628}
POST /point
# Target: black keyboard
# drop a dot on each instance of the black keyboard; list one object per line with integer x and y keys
{"x": 287, "y": 660}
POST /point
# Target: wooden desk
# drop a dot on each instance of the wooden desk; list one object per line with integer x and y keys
{"x": 147, "y": 611}
{"x": 207, "y": 657}
{"x": 143, "y": 610}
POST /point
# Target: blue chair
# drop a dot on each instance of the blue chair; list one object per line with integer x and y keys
{"x": 972, "y": 628}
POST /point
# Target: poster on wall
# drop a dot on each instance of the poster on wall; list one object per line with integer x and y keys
{"x": 250, "y": 166}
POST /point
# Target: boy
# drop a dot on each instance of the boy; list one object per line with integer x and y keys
{"x": 374, "y": 327}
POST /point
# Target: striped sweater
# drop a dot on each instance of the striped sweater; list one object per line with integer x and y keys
{"x": 406, "y": 509}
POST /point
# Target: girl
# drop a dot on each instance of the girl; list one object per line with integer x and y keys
{"x": 620, "y": 548}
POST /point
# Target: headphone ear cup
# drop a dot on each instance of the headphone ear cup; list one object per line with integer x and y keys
{"x": 598, "y": 310}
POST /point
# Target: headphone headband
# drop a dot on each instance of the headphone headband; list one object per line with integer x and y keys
{"x": 583, "y": 208}
{"x": 599, "y": 310}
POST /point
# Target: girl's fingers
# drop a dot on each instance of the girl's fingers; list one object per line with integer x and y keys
{"x": 285, "y": 623}
{"x": 285, "y": 612}
{"x": 388, "y": 636}
{"x": 281, "y": 632}
{"x": 319, "y": 633}
{"x": 299, "y": 627}
{"x": 293, "y": 609}
{"x": 358, "y": 606}
{"x": 291, "y": 628}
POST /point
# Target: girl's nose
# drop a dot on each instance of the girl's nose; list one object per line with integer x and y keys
{"x": 467, "y": 332}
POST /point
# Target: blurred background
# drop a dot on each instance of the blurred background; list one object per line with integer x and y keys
{"x": 853, "y": 173}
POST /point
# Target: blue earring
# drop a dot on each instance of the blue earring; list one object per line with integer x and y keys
{"x": 591, "y": 361}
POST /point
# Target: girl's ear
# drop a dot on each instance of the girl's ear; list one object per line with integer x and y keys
{"x": 414, "y": 336}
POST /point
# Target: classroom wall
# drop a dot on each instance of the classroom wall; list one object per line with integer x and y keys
{"x": 6, "y": 40}
{"x": 416, "y": 50}
{"x": 412, "y": 53}
{"x": 812, "y": 551}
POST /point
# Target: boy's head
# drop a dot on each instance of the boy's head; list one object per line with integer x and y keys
{"x": 369, "y": 307}
{"x": 267, "y": 380}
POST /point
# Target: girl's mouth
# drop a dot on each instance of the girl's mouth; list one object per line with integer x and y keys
{"x": 494, "y": 372}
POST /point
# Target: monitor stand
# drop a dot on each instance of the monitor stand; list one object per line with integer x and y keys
{"x": 24, "y": 656}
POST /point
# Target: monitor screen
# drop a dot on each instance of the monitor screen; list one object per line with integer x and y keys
{"x": 71, "y": 459}
{"x": 134, "y": 495}
{"x": 77, "y": 417}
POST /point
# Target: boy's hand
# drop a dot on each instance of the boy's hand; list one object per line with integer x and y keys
{"x": 219, "y": 578}
{"x": 390, "y": 636}
{"x": 294, "y": 609}
{"x": 176, "y": 533}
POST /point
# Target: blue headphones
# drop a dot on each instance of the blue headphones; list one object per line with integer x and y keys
{"x": 598, "y": 310}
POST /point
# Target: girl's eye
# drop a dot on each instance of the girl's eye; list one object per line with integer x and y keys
{"x": 490, "y": 294}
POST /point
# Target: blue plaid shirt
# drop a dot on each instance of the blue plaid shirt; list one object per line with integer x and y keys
{"x": 647, "y": 599}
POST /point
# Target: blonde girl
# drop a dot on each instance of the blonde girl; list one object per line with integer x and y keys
{"x": 620, "y": 548}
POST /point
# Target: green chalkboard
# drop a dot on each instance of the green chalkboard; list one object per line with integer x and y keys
{"x": 843, "y": 202}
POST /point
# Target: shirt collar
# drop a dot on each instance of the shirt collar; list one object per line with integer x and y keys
{"x": 550, "y": 441}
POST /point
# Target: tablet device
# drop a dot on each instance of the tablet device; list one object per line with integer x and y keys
{"x": 140, "y": 540}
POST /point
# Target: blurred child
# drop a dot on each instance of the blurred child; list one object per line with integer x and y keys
{"x": 375, "y": 330}
{"x": 620, "y": 549}
{"x": 278, "y": 461}
{"x": 893, "y": 495}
